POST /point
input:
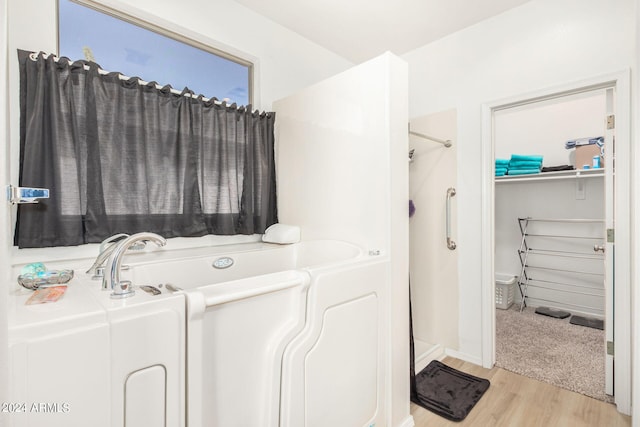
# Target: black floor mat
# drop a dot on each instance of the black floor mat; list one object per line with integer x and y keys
{"x": 589, "y": 322}
{"x": 552, "y": 312}
{"x": 448, "y": 392}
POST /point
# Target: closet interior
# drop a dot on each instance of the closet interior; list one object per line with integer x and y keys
{"x": 550, "y": 229}
{"x": 548, "y": 224}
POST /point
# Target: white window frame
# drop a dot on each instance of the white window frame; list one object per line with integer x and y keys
{"x": 152, "y": 23}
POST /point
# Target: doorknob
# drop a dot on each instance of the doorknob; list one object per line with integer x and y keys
{"x": 597, "y": 248}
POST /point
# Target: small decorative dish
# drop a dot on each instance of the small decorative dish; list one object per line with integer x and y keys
{"x": 43, "y": 279}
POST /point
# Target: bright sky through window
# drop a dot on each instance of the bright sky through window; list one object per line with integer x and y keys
{"x": 117, "y": 45}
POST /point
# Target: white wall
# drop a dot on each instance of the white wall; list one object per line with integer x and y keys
{"x": 539, "y": 45}
{"x": 284, "y": 63}
{"x": 544, "y": 127}
{"x": 635, "y": 259}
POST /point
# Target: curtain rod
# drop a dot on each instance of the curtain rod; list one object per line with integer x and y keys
{"x": 447, "y": 143}
{"x": 34, "y": 57}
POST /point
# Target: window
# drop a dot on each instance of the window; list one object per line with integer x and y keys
{"x": 152, "y": 54}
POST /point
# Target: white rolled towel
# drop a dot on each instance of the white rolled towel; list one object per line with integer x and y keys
{"x": 282, "y": 234}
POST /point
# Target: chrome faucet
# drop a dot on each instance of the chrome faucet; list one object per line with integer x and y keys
{"x": 107, "y": 246}
{"x": 97, "y": 269}
{"x": 123, "y": 289}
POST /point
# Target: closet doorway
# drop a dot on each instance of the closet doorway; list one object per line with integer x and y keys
{"x": 554, "y": 230}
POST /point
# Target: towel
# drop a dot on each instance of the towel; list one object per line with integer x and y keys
{"x": 523, "y": 171}
{"x": 525, "y": 158}
{"x": 521, "y": 164}
{"x": 558, "y": 168}
{"x": 502, "y": 162}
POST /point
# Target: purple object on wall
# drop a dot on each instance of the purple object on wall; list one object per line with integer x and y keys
{"x": 412, "y": 208}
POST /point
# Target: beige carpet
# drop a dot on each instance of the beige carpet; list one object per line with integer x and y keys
{"x": 551, "y": 350}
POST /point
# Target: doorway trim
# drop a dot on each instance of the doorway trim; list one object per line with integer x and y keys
{"x": 622, "y": 300}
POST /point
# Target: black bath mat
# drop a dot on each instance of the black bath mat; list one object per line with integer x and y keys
{"x": 448, "y": 392}
{"x": 552, "y": 312}
{"x": 589, "y": 322}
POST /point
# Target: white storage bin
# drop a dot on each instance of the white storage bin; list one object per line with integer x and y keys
{"x": 505, "y": 290}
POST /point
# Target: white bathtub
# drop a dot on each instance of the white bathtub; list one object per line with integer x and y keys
{"x": 285, "y": 335}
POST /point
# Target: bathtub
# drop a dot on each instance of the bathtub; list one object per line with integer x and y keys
{"x": 280, "y": 335}
{"x": 260, "y": 335}
{"x": 194, "y": 268}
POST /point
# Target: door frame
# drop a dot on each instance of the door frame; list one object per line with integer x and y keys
{"x": 622, "y": 300}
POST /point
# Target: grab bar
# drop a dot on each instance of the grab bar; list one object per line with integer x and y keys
{"x": 261, "y": 287}
{"x": 450, "y": 193}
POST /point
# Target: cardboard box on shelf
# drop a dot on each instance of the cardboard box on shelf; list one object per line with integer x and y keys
{"x": 585, "y": 153}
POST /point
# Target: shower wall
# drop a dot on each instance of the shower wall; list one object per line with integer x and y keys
{"x": 433, "y": 267}
{"x": 341, "y": 150}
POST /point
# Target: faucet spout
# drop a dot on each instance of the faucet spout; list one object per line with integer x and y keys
{"x": 106, "y": 248}
{"x": 105, "y": 251}
{"x": 123, "y": 289}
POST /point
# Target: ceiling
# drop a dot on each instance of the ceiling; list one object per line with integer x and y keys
{"x": 361, "y": 29}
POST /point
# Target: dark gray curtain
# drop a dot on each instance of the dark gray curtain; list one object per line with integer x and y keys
{"x": 120, "y": 157}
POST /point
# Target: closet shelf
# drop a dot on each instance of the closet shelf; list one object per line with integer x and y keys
{"x": 546, "y": 176}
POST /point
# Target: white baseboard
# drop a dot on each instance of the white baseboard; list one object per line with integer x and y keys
{"x": 463, "y": 356}
{"x": 434, "y": 353}
{"x": 437, "y": 352}
{"x": 408, "y": 422}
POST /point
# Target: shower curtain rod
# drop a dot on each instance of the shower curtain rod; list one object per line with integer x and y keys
{"x": 447, "y": 143}
{"x": 34, "y": 56}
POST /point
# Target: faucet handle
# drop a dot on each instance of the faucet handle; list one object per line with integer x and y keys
{"x": 98, "y": 274}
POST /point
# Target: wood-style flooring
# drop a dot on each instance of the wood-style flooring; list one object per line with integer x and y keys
{"x": 516, "y": 401}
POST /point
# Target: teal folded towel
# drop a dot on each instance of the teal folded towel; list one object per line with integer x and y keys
{"x": 503, "y": 170}
{"x": 500, "y": 162}
{"x": 523, "y": 171}
{"x": 500, "y": 173}
{"x": 526, "y": 158}
{"x": 520, "y": 164}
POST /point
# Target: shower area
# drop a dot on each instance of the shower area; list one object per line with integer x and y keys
{"x": 432, "y": 234}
